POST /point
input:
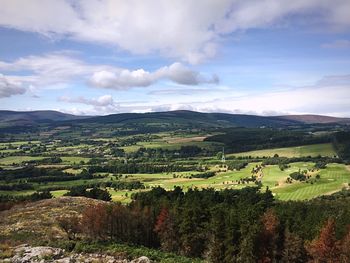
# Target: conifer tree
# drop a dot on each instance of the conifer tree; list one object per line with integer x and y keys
{"x": 325, "y": 248}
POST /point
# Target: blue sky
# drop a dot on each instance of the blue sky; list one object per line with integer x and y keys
{"x": 265, "y": 57}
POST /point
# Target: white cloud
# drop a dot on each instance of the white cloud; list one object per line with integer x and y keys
{"x": 176, "y": 72}
{"x": 101, "y": 105}
{"x": 185, "y": 29}
{"x": 55, "y": 70}
{"x": 328, "y": 96}
{"x": 49, "y": 69}
{"x": 9, "y": 88}
{"x": 102, "y": 101}
{"x": 321, "y": 98}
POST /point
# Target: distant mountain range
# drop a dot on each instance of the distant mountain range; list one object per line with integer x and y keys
{"x": 307, "y": 118}
{"x": 29, "y": 118}
{"x": 25, "y": 118}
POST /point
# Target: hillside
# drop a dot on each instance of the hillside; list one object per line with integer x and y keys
{"x": 27, "y": 230}
{"x": 37, "y": 221}
{"x": 309, "y": 119}
{"x": 175, "y": 119}
{"x": 191, "y": 118}
{"x": 23, "y": 118}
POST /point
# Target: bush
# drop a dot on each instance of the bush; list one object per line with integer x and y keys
{"x": 298, "y": 176}
{"x": 95, "y": 193}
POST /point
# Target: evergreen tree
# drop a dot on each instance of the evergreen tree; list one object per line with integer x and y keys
{"x": 193, "y": 235}
{"x": 216, "y": 247}
{"x": 165, "y": 228}
{"x": 248, "y": 245}
{"x": 293, "y": 249}
{"x": 345, "y": 247}
{"x": 268, "y": 237}
{"x": 326, "y": 247}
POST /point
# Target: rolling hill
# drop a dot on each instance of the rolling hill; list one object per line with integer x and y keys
{"x": 309, "y": 119}
{"x": 27, "y": 118}
{"x": 169, "y": 118}
{"x": 192, "y": 118}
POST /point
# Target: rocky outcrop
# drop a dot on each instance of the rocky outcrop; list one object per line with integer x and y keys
{"x": 28, "y": 254}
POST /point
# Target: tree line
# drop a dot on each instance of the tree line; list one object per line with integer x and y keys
{"x": 228, "y": 226}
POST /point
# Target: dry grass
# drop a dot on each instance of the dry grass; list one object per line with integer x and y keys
{"x": 38, "y": 220}
{"x": 188, "y": 139}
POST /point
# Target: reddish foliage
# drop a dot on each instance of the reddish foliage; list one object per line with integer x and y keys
{"x": 270, "y": 222}
{"x": 326, "y": 247}
{"x": 94, "y": 221}
{"x": 161, "y": 220}
{"x": 345, "y": 247}
{"x": 268, "y": 236}
{"x": 70, "y": 224}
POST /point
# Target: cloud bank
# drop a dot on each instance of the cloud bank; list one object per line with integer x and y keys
{"x": 189, "y": 30}
{"x": 102, "y": 101}
{"x": 176, "y": 72}
{"x": 9, "y": 88}
{"x": 59, "y": 68}
{"x": 313, "y": 99}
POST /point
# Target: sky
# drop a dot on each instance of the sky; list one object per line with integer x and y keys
{"x": 98, "y": 57}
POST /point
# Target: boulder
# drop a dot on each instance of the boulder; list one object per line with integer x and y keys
{"x": 142, "y": 259}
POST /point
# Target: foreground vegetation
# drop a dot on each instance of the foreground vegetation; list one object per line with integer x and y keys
{"x": 245, "y": 225}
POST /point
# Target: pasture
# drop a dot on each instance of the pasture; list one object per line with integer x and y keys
{"x": 76, "y": 157}
{"x": 323, "y": 149}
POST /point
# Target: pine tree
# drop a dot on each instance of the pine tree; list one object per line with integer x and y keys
{"x": 216, "y": 247}
{"x": 192, "y": 231}
{"x": 248, "y": 245}
{"x": 232, "y": 237}
{"x": 293, "y": 249}
{"x": 345, "y": 247}
{"x": 165, "y": 228}
{"x": 326, "y": 247}
{"x": 268, "y": 237}
{"x": 95, "y": 221}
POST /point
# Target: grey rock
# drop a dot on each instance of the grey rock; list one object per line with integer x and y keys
{"x": 141, "y": 260}
{"x": 27, "y": 254}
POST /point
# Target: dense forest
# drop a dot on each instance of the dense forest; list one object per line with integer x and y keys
{"x": 341, "y": 142}
{"x": 224, "y": 226}
{"x": 243, "y": 139}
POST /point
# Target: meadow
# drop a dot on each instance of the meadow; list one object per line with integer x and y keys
{"x": 77, "y": 157}
{"x": 323, "y": 149}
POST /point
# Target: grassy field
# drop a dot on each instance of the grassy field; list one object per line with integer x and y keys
{"x": 333, "y": 178}
{"x": 58, "y": 193}
{"x": 173, "y": 145}
{"x": 17, "y": 143}
{"x": 74, "y": 159}
{"x": 275, "y": 178}
{"x": 19, "y": 159}
{"x": 324, "y": 149}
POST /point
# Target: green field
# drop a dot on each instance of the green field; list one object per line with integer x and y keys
{"x": 74, "y": 159}
{"x": 168, "y": 145}
{"x": 19, "y": 159}
{"x": 324, "y": 149}
{"x": 333, "y": 178}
